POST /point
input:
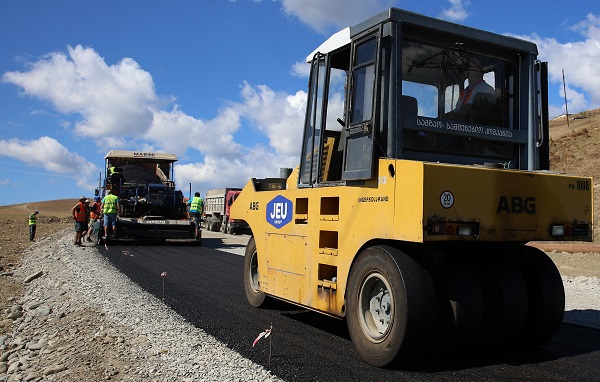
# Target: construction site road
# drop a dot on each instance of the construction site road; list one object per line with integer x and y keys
{"x": 205, "y": 286}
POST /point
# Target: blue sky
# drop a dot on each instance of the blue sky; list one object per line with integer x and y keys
{"x": 221, "y": 84}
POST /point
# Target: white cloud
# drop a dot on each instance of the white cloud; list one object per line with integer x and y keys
{"x": 457, "y": 11}
{"x": 332, "y": 15}
{"x": 118, "y": 106}
{"x": 278, "y": 115}
{"x": 576, "y": 100}
{"x": 300, "y": 69}
{"x": 113, "y": 100}
{"x": 579, "y": 60}
{"x": 214, "y": 172}
{"x": 49, "y": 154}
{"x": 175, "y": 132}
{"x": 325, "y": 16}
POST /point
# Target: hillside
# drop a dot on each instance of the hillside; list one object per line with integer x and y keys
{"x": 575, "y": 149}
{"x": 55, "y": 216}
{"x": 58, "y": 208}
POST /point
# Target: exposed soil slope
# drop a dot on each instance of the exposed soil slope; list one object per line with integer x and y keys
{"x": 575, "y": 149}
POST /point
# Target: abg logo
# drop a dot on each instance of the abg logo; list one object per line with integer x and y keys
{"x": 516, "y": 205}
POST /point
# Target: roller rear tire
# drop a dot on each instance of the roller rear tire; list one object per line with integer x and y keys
{"x": 507, "y": 306}
{"x": 464, "y": 307}
{"x": 391, "y": 306}
{"x": 546, "y": 297}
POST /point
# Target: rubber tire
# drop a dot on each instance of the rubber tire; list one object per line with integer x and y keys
{"x": 229, "y": 229}
{"x": 546, "y": 297}
{"x": 255, "y": 296}
{"x": 464, "y": 299}
{"x": 411, "y": 297}
{"x": 506, "y": 306}
{"x": 224, "y": 226}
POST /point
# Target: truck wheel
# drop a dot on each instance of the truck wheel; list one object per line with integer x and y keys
{"x": 229, "y": 229}
{"x": 255, "y": 297}
{"x": 391, "y": 305}
{"x": 225, "y": 225}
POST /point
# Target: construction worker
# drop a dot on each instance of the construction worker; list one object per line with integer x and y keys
{"x": 32, "y": 224}
{"x": 80, "y": 216}
{"x": 95, "y": 214}
{"x": 196, "y": 206}
{"x": 110, "y": 208}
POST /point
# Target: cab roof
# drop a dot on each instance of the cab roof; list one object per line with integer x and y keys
{"x": 151, "y": 156}
{"x": 343, "y": 37}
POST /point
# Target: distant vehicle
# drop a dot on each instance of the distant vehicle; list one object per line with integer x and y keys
{"x": 216, "y": 214}
{"x": 151, "y": 207}
{"x": 410, "y": 215}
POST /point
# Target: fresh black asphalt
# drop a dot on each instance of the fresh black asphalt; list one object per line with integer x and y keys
{"x": 204, "y": 286}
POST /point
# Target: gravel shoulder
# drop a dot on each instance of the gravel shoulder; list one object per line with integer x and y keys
{"x": 69, "y": 314}
{"x": 80, "y": 317}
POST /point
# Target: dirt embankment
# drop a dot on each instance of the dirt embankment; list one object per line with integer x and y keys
{"x": 54, "y": 216}
{"x": 574, "y": 150}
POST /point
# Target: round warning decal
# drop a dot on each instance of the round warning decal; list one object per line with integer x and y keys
{"x": 447, "y": 199}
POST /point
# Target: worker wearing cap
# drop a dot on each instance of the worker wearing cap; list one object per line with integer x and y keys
{"x": 32, "y": 224}
{"x": 80, "y": 216}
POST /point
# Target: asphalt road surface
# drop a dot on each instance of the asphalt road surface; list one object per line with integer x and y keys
{"x": 205, "y": 286}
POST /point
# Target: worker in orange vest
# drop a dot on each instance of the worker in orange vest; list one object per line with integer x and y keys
{"x": 95, "y": 214}
{"x": 79, "y": 212}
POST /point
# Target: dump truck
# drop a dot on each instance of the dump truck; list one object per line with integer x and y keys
{"x": 216, "y": 213}
{"x": 151, "y": 208}
{"x": 412, "y": 209}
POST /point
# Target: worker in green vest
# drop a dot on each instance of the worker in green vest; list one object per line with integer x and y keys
{"x": 110, "y": 208}
{"x": 32, "y": 224}
{"x": 196, "y": 206}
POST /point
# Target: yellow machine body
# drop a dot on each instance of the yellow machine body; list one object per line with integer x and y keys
{"x": 308, "y": 238}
